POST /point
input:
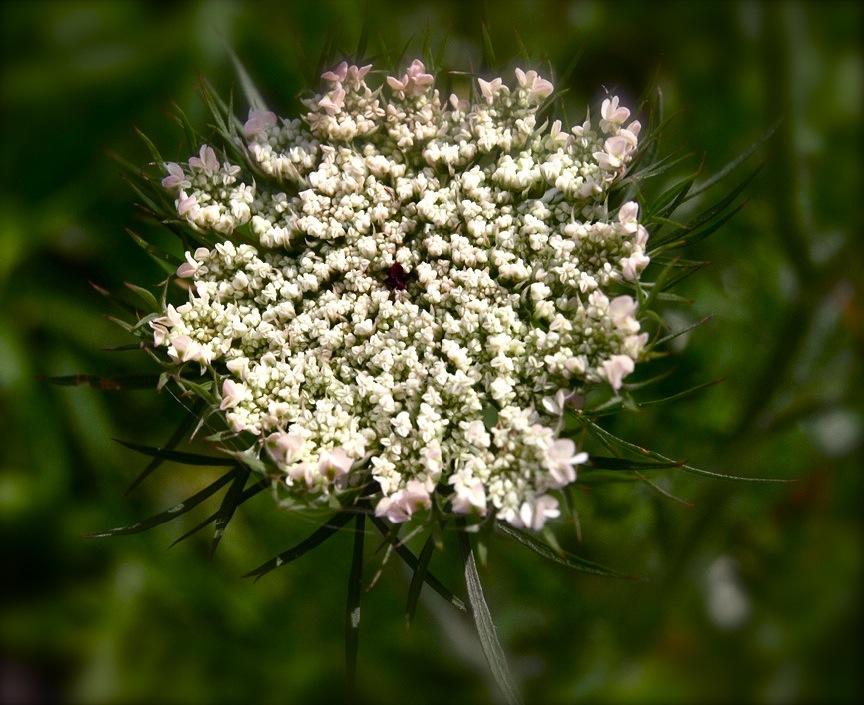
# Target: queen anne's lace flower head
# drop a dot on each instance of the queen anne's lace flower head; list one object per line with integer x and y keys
{"x": 429, "y": 286}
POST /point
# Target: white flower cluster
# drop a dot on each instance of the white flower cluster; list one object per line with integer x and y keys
{"x": 430, "y": 288}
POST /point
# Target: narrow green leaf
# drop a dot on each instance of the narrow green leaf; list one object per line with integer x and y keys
{"x": 418, "y": 578}
{"x": 401, "y": 56}
{"x": 658, "y": 284}
{"x": 582, "y": 565}
{"x": 486, "y": 627}
{"x": 214, "y": 104}
{"x": 352, "y": 605}
{"x": 552, "y": 540}
{"x": 130, "y": 347}
{"x": 679, "y": 395}
{"x": 143, "y": 321}
{"x": 140, "y": 184}
{"x": 193, "y": 139}
{"x": 652, "y": 104}
{"x": 688, "y": 236}
{"x": 226, "y": 123}
{"x": 607, "y": 437}
{"x": 111, "y": 384}
{"x": 676, "y": 298}
{"x": 324, "y": 60}
{"x": 362, "y": 41}
{"x": 129, "y": 167}
{"x": 661, "y": 491}
{"x": 154, "y": 152}
{"x": 145, "y": 295}
{"x": 440, "y": 54}
{"x": 604, "y": 477}
{"x": 391, "y": 537}
{"x": 171, "y": 513}
{"x": 178, "y": 456}
{"x": 680, "y": 262}
{"x": 229, "y": 505}
{"x": 426, "y": 51}
{"x": 718, "y": 209}
{"x": 570, "y": 506}
{"x": 489, "y": 61}
{"x": 411, "y": 561}
{"x": 165, "y": 260}
{"x": 250, "y": 459}
{"x": 736, "y": 162}
{"x": 524, "y": 54}
{"x": 631, "y": 386}
{"x": 675, "y": 334}
{"x": 564, "y": 79}
{"x": 710, "y": 229}
{"x": 170, "y": 445}
{"x": 667, "y": 202}
{"x": 658, "y": 109}
{"x": 319, "y": 536}
{"x": 602, "y": 462}
{"x": 115, "y": 300}
{"x": 661, "y": 166}
{"x": 250, "y": 90}
{"x": 247, "y": 494}
{"x": 188, "y": 237}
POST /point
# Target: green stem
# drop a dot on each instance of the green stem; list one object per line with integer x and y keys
{"x": 352, "y": 608}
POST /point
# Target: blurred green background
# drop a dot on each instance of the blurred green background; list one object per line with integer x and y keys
{"x": 751, "y": 594}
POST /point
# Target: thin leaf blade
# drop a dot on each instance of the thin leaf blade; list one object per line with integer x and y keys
{"x": 489, "y": 642}
{"x": 316, "y": 538}
{"x": 419, "y": 578}
{"x": 229, "y": 505}
{"x": 171, "y": 444}
{"x": 248, "y": 493}
{"x": 602, "y": 462}
{"x": 577, "y": 563}
{"x": 411, "y": 561}
{"x": 109, "y": 384}
{"x": 171, "y": 513}
{"x": 177, "y": 456}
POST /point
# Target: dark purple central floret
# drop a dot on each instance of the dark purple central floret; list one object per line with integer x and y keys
{"x": 397, "y": 277}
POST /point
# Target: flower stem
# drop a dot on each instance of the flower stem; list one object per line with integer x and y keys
{"x": 352, "y": 607}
